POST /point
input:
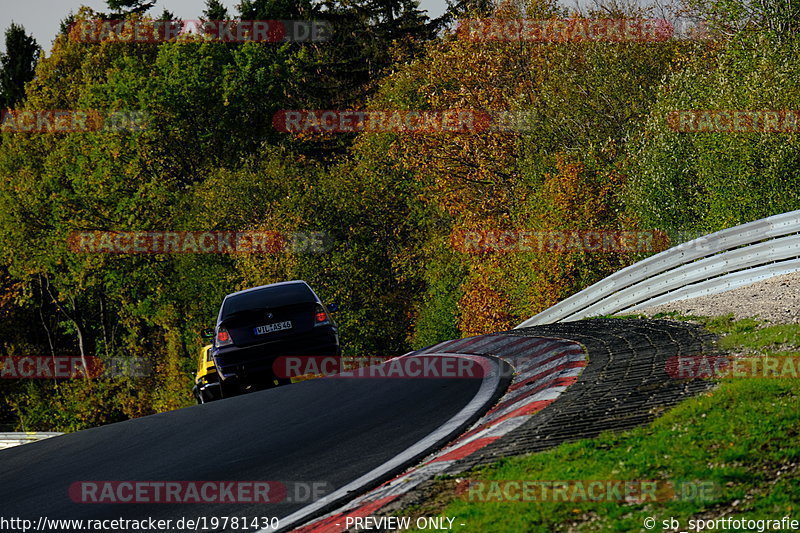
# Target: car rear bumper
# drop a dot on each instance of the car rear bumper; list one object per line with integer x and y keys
{"x": 253, "y": 364}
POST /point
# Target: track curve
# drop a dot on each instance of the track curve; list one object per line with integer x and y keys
{"x": 332, "y": 431}
{"x": 625, "y": 384}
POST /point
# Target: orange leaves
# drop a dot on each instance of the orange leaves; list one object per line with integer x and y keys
{"x": 575, "y": 198}
{"x": 468, "y": 175}
{"x": 483, "y": 308}
{"x": 579, "y": 197}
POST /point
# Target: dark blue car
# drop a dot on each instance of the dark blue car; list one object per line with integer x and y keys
{"x": 257, "y": 325}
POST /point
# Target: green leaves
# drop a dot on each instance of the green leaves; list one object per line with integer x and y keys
{"x": 711, "y": 180}
{"x": 16, "y": 65}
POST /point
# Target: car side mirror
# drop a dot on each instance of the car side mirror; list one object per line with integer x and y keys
{"x": 333, "y": 307}
{"x": 207, "y": 333}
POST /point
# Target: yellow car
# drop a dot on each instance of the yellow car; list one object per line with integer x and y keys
{"x": 206, "y": 381}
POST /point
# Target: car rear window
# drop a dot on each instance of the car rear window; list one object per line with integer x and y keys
{"x": 276, "y": 296}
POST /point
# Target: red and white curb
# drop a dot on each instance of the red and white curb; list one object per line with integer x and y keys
{"x": 543, "y": 368}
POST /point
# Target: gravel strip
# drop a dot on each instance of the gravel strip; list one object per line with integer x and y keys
{"x": 775, "y": 300}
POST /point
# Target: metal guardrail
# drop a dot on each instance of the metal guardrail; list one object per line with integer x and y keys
{"x": 9, "y": 440}
{"x": 715, "y": 263}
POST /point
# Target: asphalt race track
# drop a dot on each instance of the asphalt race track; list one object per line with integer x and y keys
{"x": 349, "y": 434}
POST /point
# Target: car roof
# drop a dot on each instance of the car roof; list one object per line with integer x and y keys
{"x": 253, "y": 289}
{"x": 236, "y": 295}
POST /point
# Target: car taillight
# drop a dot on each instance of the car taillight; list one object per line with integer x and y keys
{"x": 320, "y": 316}
{"x": 223, "y": 337}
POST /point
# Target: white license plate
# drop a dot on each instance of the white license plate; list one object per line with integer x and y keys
{"x": 272, "y": 328}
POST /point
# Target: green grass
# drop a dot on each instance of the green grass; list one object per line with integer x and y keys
{"x": 742, "y": 439}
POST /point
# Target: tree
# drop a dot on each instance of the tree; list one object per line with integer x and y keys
{"x": 368, "y": 36}
{"x": 167, "y": 15}
{"x": 460, "y": 9}
{"x": 732, "y": 16}
{"x": 17, "y": 65}
{"x": 276, "y": 9}
{"x": 66, "y": 23}
{"x": 126, "y": 7}
{"x": 172, "y": 22}
{"x": 215, "y": 11}
{"x": 706, "y": 181}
